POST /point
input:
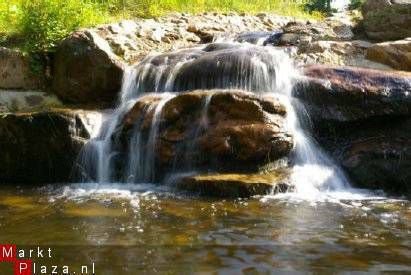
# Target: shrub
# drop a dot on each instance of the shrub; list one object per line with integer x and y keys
{"x": 319, "y": 5}
{"x": 45, "y": 22}
{"x": 10, "y": 13}
{"x": 355, "y": 4}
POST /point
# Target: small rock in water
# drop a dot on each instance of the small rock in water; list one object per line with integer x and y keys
{"x": 236, "y": 185}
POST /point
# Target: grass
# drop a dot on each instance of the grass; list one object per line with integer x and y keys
{"x": 37, "y": 25}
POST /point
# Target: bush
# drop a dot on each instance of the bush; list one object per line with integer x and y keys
{"x": 355, "y": 4}
{"x": 10, "y": 13}
{"x": 45, "y": 22}
{"x": 319, "y": 5}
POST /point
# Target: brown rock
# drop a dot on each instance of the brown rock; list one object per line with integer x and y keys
{"x": 352, "y": 94}
{"x": 343, "y": 53}
{"x": 396, "y": 54}
{"x": 238, "y": 131}
{"x": 362, "y": 117}
{"x": 85, "y": 70}
{"x": 16, "y": 73}
{"x": 387, "y": 19}
{"x": 236, "y": 185}
{"x": 382, "y": 162}
{"x": 296, "y": 33}
{"x": 40, "y": 148}
{"x": 375, "y": 153}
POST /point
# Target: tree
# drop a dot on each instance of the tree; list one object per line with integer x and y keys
{"x": 319, "y": 5}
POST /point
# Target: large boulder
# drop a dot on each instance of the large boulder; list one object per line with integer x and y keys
{"x": 86, "y": 71}
{"x": 376, "y": 154}
{"x": 213, "y": 130}
{"x": 396, "y": 54}
{"x": 362, "y": 117}
{"x": 40, "y": 147}
{"x": 16, "y": 71}
{"x": 349, "y": 94}
{"x": 387, "y": 19}
{"x": 214, "y": 66}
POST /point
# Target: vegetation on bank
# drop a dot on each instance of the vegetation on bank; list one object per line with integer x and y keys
{"x": 37, "y": 25}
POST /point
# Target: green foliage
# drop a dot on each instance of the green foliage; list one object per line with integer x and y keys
{"x": 319, "y": 5}
{"x": 154, "y": 8}
{"x": 9, "y": 14}
{"x": 43, "y": 23}
{"x": 355, "y": 4}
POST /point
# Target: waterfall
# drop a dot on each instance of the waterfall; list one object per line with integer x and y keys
{"x": 340, "y": 5}
{"x": 258, "y": 69}
{"x": 149, "y": 163}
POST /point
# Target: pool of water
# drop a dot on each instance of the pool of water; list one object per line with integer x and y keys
{"x": 133, "y": 229}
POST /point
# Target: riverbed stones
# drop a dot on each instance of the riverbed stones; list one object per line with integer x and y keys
{"x": 132, "y": 40}
{"x": 86, "y": 70}
{"x": 38, "y": 148}
{"x": 217, "y": 130}
{"x": 353, "y": 94}
{"x": 296, "y": 33}
{"x": 344, "y": 53}
{"x": 387, "y": 19}
{"x": 396, "y": 54}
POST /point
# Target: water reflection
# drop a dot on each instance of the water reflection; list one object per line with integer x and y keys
{"x": 144, "y": 229}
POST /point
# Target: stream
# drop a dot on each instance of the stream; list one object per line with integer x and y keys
{"x": 137, "y": 228}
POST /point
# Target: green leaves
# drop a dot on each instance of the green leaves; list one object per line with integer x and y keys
{"x": 45, "y": 22}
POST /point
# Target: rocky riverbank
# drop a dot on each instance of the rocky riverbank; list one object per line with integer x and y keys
{"x": 360, "y": 115}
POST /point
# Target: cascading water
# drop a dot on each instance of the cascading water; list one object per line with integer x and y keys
{"x": 218, "y": 65}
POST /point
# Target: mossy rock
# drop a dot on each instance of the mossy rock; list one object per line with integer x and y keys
{"x": 236, "y": 185}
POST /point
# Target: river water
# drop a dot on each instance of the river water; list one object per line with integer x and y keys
{"x": 137, "y": 228}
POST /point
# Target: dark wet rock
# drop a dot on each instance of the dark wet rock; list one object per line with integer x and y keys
{"x": 362, "y": 117}
{"x": 260, "y": 38}
{"x": 273, "y": 39}
{"x": 16, "y": 72}
{"x": 40, "y": 147}
{"x": 206, "y": 72}
{"x": 387, "y": 19}
{"x": 216, "y": 66}
{"x": 239, "y": 131}
{"x": 396, "y": 54}
{"x": 212, "y": 47}
{"x": 352, "y": 94}
{"x": 86, "y": 70}
{"x": 376, "y": 153}
{"x": 235, "y": 185}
